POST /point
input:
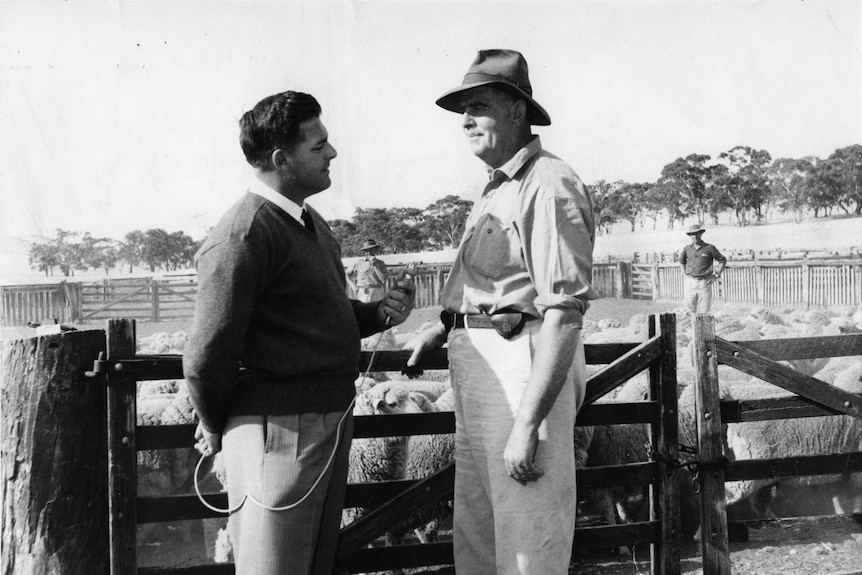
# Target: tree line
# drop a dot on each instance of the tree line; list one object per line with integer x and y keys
{"x": 398, "y": 230}
{"x": 743, "y": 182}
{"x": 156, "y": 249}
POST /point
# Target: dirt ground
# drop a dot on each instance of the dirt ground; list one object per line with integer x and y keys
{"x": 826, "y": 545}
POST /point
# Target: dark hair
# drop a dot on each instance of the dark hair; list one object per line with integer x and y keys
{"x": 273, "y": 124}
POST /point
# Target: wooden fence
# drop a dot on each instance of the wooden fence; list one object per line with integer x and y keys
{"x": 805, "y": 283}
{"x": 50, "y": 393}
{"x": 123, "y": 369}
{"x": 811, "y": 398}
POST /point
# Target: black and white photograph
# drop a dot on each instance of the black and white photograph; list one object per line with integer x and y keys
{"x": 529, "y": 287}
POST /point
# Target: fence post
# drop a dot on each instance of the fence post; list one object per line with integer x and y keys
{"x": 154, "y": 288}
{"x": 759, "y": 296}
{"x": 856, "y": 298}
{"x": 710, "y": 440}
{"x": 656, "y": 287}
{"x": 665, "y": 494}
{"x": 618, "y": 281}
{"x": 55, "y": 507}
{"x": 806, "y": 284}
{"x": 122, "y": 455}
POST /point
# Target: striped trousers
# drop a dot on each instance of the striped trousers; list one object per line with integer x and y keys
{"x": 276, "y": 460}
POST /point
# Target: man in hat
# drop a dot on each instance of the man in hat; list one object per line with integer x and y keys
{"x": 513, "y": 311}
{"x": 696, "y": 260}
{"x": 367, "y": 276}
{"x": 274, "y": 347}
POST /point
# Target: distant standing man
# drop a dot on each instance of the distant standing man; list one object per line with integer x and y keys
{"x": 274, "y": 347}
{"x": 513, "y": 311}
{"x": 696, "y": 260}
{"x": 368, "y": 275}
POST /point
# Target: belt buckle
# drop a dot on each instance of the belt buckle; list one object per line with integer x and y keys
{"x": 508, "y": 324}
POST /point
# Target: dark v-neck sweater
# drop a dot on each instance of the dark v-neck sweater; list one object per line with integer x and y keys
{"x": 274, "y": 331}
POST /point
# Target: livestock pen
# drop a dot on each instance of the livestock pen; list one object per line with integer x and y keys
{"x": 89, "y": 462}
{"x": 119, "y": 368}
{"x": 808, "y": 397}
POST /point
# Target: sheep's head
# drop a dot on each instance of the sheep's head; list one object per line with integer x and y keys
{"x": 391, "y": 398}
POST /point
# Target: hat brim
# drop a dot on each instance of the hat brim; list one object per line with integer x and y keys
{"x": 451, "y": 100}
{"x": 695, "y": 233}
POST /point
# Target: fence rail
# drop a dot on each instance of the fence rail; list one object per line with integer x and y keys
{"x": 65, "y": 480}
{"x": 394, "y": 499}
{"x": 807, "y": 283}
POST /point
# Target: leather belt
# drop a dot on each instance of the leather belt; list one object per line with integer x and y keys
{"x": 507, "y": 324}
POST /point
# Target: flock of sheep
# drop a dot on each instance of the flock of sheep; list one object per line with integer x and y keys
{"x": 169, "y": 472}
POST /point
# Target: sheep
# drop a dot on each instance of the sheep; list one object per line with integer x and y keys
{"x": 164, "y": 472}
{"x": 623, "y": 444}
{"x": 163, "y": 343}
{"x": 614, "y": 445}
{"x": 379, "y": 458}
{"x": 432, "y": 390}
{"x": 796, "y": 437}
{"x": 429, "y": 454}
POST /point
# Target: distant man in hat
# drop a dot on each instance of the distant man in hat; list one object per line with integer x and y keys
{"x": 367, "y": 276}
{"x": 513, "y": 311}
{"x": 274, "y": 347}
{"x": 696, "y": 260}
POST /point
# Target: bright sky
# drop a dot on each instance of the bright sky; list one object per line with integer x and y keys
{"x": 123, "y": 115}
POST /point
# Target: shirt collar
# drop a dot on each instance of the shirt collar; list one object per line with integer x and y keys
{"x": 286, "y": 204}
{"x": 516, "y": 162}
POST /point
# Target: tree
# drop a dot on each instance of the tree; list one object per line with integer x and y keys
{"x": 99, "y": 252}
{"x": 347, "y": 235}
{"x": 602, "y": 211}
{"x": 131, "y": 251}
{"x": 744, "y": 185}
{"x": 787, "y": 178}
{"x": 181, "y": 252}
{"x": 156, "y": 249}
{"x": 43, "y": 257}
{"x": 685, "y": 179}
{"x": 625, "y": 202}
{"x": 443, "y": 222}
{"x": 844, "y": 169}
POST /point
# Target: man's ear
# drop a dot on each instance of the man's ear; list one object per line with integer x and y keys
{"x": 279, "y": 158}
{"x": 519, "y": 112}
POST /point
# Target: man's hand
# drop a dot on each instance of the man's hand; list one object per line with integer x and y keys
{"x": 520, "y": 452}
{"x": 207, "y": 443}
{"x": 431, "y": 338}
{"x": 398, "y": 302}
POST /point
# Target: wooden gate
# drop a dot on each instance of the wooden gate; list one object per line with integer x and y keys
{"x": 812, "y": 398}
{"x": 644, "y": 281}
{"x": 122, "y": 369}
{"x": 22, "y": 304}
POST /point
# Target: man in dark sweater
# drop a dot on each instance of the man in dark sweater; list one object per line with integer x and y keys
{"x": 274, "y": 348}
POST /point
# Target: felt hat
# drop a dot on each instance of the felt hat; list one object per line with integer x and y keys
{"x": 369, "y": 245}
{"x": 695, "y": 229}
{"x": 504, "y": 69}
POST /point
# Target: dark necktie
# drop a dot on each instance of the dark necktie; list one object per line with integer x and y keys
{"x": 309, "y": 223}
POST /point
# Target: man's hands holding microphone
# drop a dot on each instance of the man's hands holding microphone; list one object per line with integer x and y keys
{"x": 399, "y": 301}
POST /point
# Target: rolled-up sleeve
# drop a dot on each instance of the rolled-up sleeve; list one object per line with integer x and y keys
{"x": 558, "y": 248}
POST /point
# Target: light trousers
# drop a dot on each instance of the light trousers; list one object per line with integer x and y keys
{"x": 697, "y": 294}
{"x": 276, "y": 460}
{"x": 500, "y": 526}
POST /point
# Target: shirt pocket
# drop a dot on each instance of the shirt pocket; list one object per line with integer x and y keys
{"x": 488, "y": 247}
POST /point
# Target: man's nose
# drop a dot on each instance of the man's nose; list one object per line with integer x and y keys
{"x": 467, "y": 120}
